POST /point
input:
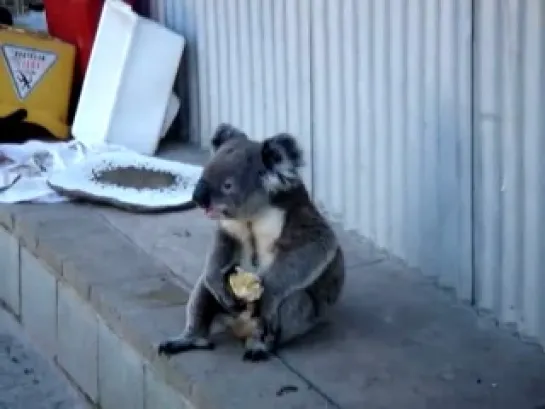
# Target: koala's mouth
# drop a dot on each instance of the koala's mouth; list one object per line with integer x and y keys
{"x": 214, "y": 213}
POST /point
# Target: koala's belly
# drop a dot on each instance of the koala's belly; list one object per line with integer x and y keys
{"x": 257, "y": 237}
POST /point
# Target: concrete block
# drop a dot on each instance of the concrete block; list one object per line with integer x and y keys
{"x": 6, "y": 216}
{"x": 39, "y": 302}
{"x": 121, "y": 372}
{"x": 178, "y": 239}
{"x": 78, "y": 340}
{"x": 9, "y": 271}
{"x": 106, "y": 257}
{"x": 160, "y": 395}
{"x": 31, "y": 220}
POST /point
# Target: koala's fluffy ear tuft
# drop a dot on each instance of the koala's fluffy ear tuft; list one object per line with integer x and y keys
{"x": 282, "y": 148}
{"x": 223, "y": 133}
{"x": 281, "y": 157}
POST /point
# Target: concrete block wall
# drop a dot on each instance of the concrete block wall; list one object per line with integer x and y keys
{"x": 9, "y": 272}
{"x": 39, "y": 293}
{"x": 66, "y": 327}
{"x": 98, "y": 304}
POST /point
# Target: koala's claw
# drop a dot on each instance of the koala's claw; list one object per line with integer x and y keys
{"x": 177, "y": 346}
{"x": 256, "y": 351}
{"x": 255, "y": 355}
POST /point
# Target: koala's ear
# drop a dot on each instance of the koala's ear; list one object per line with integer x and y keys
{"x": 281, "y": 150}
{"x": 223, "y": 133}
{"x": 281, "y": 157}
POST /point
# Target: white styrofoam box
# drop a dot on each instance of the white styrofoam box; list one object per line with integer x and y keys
{"x": 172, "y": 110}
{"x": 129, "y": 81}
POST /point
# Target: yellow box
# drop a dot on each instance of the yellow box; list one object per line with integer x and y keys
{"x": 36, "y": 73}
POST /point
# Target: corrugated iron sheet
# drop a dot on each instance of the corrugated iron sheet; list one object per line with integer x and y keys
{"x": 392, "y": 127}
{"x": 509, "y": 162}
{"x": 419, "y": 120}
{"x": 15, "y": 6}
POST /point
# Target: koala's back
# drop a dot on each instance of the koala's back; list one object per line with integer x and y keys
{"x": 303, "y": 222}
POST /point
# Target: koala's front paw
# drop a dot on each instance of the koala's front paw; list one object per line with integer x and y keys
{"x": 183, "y": 344}
{"x": 231, "y": 305}
{"x": 227, "y": 300}
{"x": 256, "y": 351}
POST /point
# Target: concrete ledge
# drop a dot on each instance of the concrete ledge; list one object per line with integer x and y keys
{"x": 98, "y": 305}
{"x": 97, "y": 289}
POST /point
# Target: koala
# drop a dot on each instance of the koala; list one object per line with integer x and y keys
{"x": 266, "y": 222}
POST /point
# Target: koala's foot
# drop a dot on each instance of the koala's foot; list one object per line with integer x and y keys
{"x": 184, "y": 343}
{"x": 256, "y": 351}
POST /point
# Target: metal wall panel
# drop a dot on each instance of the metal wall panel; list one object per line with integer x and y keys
{"x": 392, "y": 127}
{"x": 15, "y": 6}
{"x": 509, "y": 162}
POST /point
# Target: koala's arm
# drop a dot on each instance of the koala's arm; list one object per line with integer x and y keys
{"x": 296, "y": 269}
{"x": 220, "y": 262}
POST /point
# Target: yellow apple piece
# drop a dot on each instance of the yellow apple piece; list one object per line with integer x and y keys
{"x": 245, "y": 285}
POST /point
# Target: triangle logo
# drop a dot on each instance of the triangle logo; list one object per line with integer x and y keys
{"x": 27, "y": 66}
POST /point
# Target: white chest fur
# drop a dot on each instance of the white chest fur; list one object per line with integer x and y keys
{"x": 257, "y": 236}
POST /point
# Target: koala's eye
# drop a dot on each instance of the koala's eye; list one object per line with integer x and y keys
{"x": 227, "y": 185}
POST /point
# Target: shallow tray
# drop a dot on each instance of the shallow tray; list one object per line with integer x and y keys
{"x": 129, "y": 181}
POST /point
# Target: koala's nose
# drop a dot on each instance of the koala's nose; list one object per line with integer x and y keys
{"x": 201, "y": 194}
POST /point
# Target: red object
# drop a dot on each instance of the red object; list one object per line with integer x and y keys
{"x": 76, "y": 22}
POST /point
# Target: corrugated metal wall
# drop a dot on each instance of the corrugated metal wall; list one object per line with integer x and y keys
{"x": 392, "y": 127}
{"x": 15, "y": 6}
{"x": 509, "y": 162}
{"x": 416, "y": 136}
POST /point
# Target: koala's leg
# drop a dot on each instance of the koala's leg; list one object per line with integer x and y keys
{"x": 259, "y": 345}
{"x": 294, "y": 315}
{"x": 297, "y": 315}
{"x": 202, "y": 308}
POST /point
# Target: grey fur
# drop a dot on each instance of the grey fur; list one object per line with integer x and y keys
{"x": 264, "y": 211}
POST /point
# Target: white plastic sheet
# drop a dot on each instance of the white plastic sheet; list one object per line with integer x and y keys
{"x": 25, "y": 168}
